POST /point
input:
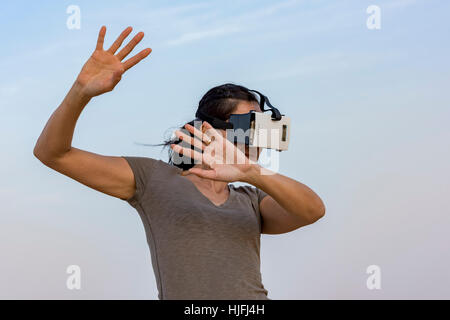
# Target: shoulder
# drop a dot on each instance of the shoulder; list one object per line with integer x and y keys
{"x": 255, "y": 194}
{"x": 146, "y": 171}
{"x": 140, "y": 162}
{"x": 145, "y": 165}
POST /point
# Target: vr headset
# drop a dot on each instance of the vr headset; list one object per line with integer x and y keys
{"x": 255, "y": 129}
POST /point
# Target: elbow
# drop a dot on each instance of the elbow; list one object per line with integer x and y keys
{"x": 317, "y": 212}
{"x": 321, "y": 211}
{"x": 37, "y": 152}
{"x": 42, "y": 155}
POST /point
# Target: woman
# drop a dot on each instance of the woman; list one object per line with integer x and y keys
{"x": 203, "y": 233}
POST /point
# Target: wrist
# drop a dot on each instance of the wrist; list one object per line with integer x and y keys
{"x": 252, "y": 174}
{"x": 79, "y": 92}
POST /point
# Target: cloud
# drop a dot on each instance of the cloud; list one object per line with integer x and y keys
{"x": 269, "y": 10}
{"x": 399, "y": 4}
{"x": 214, "y": 26}
{"x": 174, "y": 10}
{"x": 9, "y": 90}
{"x": 37, "y": 53}
{"x": 199, "y": 35}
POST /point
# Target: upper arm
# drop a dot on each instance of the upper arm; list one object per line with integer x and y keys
{"x": 276, "y": 220}
{"x": 108, "y": 174}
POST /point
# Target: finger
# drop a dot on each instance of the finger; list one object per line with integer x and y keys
{"x": 203, "y": 173}
{"x": 101, "y": 38}
{"x": 130, "y": 46}
{"x": 188, "y": 152}
{"x": 136, "y": 59}
{"x": 116, "y": 45}
{"x": 195, "y": 155}
{"x": 207, "y": 125}
{"x": 198, "y": 133}
{"x": 209, "y": 158}
{"x": 212, "y": 133}
{"x": 208, "y": 128}
{"x": 190, "y": 140}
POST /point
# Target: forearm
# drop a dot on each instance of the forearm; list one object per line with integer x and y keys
{"x": 295, "y": 197}
{"x": 56, "y": 137}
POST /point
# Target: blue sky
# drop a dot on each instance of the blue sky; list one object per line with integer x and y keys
{"x": 370, "y": 134}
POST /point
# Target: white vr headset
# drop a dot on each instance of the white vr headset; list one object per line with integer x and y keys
{"x": 255, "y": 129}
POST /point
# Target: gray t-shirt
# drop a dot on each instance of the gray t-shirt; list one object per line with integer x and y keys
{"x": 198, "y": 250}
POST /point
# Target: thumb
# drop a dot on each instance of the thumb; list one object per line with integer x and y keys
{"x": 118, "y": 73}
{"x": 202, "y": 173}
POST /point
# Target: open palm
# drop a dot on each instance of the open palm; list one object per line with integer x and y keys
{"x": 221, "y": 160}
{"x": 104, "y": 69}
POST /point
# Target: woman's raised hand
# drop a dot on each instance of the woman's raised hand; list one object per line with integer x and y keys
{"x": 104, "y": 69}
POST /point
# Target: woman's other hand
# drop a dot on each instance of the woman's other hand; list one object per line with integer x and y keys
{"x": 221, "y": 159}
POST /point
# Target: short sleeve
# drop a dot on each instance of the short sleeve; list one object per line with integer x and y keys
{"x": 142, "y": 168}
{"x": 256, "y": 195}
{"x": 261, "y": 194}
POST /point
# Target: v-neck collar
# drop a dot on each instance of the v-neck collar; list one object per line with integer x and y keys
{"x": 222, "y": 205}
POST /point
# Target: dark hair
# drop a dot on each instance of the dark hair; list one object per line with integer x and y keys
{"x": 219, "y": 102}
